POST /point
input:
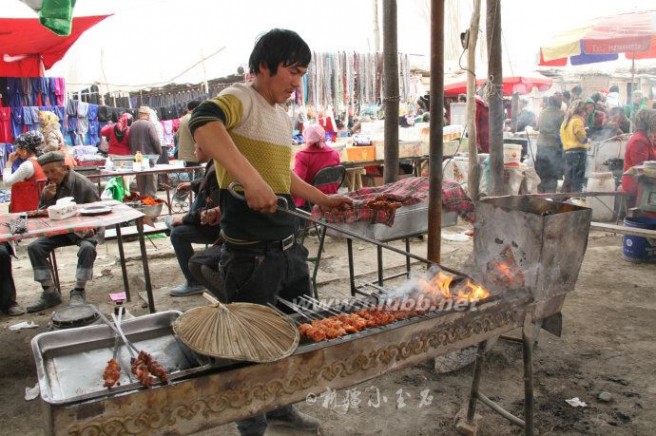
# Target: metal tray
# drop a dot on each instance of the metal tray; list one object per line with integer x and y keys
{"x": 70, "y": 362}
{"x": 409, "y": 221}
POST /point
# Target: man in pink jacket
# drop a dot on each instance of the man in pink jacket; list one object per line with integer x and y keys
{"x": 315, "y": 156}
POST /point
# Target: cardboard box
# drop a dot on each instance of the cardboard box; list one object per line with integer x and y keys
{"x": 360, "y": 153}
{"x": 406, "y": 149}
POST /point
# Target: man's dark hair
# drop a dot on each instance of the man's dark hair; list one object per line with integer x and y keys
{"x": 596, "y": 97}
{"x": 193, "y": 104}
{"x": 554, "y": 102}
{"x": 567, "y": 95}
{"x": 614, "y": 88}
{"x": 276, "y": 46}
{"x": 577, "y": 90}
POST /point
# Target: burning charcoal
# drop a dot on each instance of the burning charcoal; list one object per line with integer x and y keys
{"x": 505, "y": 272}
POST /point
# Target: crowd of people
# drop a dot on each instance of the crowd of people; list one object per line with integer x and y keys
{"x": 568, "y": 124}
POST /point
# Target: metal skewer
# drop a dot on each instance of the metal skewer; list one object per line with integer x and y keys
{"x": 114, "y": 329}
{"x": 306, "y": 216}
{"x": 280, "y": 312}
{"x": 318, "y": 303}
{"x": 295, "y": 308}
{"x": 131, "y": 348}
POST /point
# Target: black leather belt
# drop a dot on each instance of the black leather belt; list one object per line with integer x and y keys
{"x": 282, "y": 245}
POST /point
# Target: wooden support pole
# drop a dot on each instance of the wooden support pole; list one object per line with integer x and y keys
{"x": 495, "y": 95}
{"x": 436, "y": 152}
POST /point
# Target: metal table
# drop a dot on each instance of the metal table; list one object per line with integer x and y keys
{"x": 121, "y": 213}
{"x": 157, "y": 169}
{"x": 411, "y": 221}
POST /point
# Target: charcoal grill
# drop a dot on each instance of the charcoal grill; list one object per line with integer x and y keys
{"x": 205, "y": 395}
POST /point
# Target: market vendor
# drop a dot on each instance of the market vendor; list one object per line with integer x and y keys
{"x": 575, "y": 144}
{"x": 313, "y": 158}
{"x": 247, "y": 133}
{"x": 640, "y": 148}
{"x": 50, "y": 128}
{"x": 63, "y": 182}
{"x": 118, "y": 135}
{"x": 24, "y": 192}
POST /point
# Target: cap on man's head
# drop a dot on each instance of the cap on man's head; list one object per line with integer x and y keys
{"x": 144, "y": 110}
{"x": 51, "y": 156}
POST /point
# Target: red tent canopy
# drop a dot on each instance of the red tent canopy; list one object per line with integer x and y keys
{"x": 27, "y": 47}
{"x": 519, "y": 84}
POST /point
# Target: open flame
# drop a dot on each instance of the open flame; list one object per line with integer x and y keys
{"x": 439, "y": 287}
{"x": 504, "y": 271}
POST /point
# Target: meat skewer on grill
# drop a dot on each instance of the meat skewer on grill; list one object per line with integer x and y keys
{"x": 111, "y": 374}
{"x": 141, "y": 364}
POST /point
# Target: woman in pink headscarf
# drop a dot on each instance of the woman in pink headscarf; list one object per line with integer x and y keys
{"x": 314, "y": 157}
{"x": 118, "y": 135}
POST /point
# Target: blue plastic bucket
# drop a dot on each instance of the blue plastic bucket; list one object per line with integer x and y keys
{"x": 638, "y": 248}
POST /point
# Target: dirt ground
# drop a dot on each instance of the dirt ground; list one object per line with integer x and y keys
{"x": 607, "y": 346}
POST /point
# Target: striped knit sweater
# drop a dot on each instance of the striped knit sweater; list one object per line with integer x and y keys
{"x": 262, "y": 133}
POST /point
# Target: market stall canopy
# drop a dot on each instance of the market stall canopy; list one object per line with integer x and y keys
{"x": 27, "y": 48}
{"x": 515, "y": 84}
{"x": 602, "y": 40}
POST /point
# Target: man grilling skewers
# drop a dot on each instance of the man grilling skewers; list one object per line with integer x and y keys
{"x": 248, "y": 134}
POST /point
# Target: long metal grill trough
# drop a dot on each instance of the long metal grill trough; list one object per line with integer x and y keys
{"x": 219, "y": 392}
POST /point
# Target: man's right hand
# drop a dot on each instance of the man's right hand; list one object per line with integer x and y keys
{"x": 183, "y": 187}
{"x": 50, "y": 190}
{"x": 260, "y": 197}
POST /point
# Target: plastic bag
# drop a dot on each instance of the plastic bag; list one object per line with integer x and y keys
{"x": 114, "y": 190}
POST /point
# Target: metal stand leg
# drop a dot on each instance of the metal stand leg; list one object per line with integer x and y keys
{"x": 478, "y": 368}
{"x": 146, "y": 271}
{"x": 349, "y": 249}
{"x": 528, "y": 341}
{"x": 322, "y": 238}
{"x": 124, "y": 270}
{"x": 407, "y": 258}
{"x": 529, "y": 335}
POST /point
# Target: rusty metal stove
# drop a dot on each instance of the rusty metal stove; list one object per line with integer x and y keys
{"x": 213, "y": 394}
{"x": 536, "y": 245}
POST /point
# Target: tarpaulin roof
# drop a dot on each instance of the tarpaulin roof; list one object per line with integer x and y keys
{"x": 25, "y": 43}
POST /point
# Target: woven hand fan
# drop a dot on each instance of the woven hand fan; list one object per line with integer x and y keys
{"x": 238, "y": 331}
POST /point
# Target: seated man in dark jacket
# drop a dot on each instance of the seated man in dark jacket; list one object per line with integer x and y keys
{"x": 63, "y": 182}
{"x": 199, "y": 226}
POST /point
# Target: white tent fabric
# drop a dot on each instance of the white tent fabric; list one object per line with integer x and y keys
{"x": 150, "y": 43}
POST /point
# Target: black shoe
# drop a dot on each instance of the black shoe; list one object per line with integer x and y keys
{"x": 47, "y": 299}
{"x": 14, "y": 310}
{"x": 296, "y": 420}
{"x": 77, "y": 298}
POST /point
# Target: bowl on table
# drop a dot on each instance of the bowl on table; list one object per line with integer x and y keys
{"x": 153, "y": 211}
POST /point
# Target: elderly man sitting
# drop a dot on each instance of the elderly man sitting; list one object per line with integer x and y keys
{"x": 63, "y": 182}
